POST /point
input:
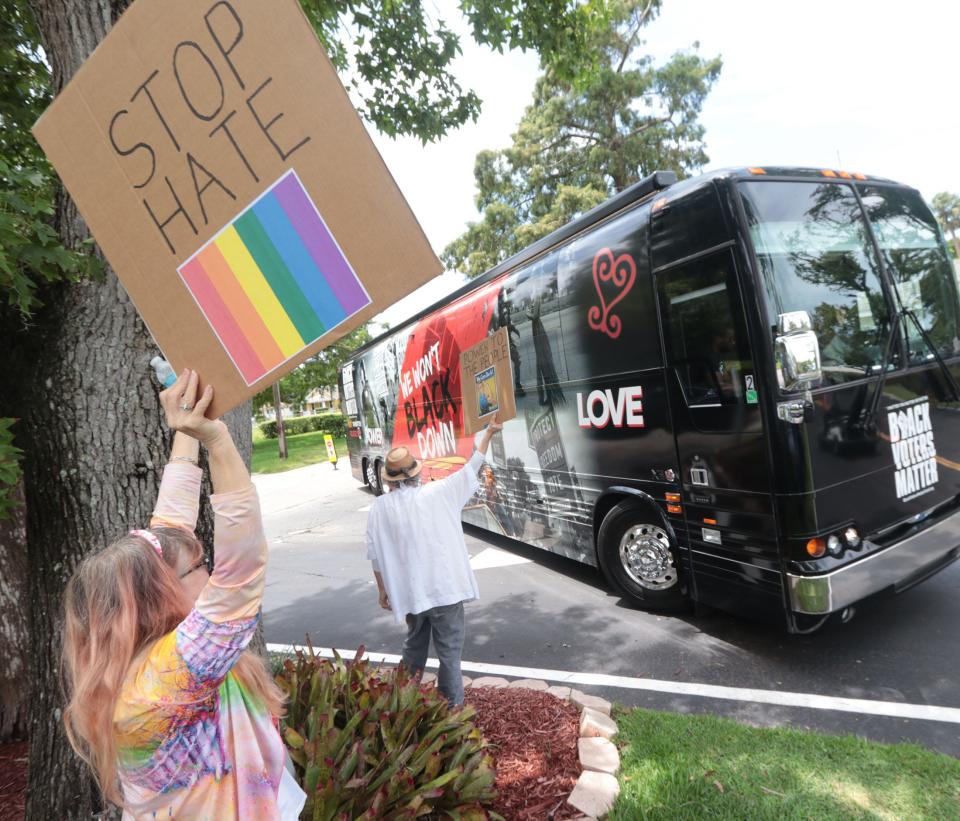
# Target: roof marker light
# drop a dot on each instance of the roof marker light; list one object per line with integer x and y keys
{"x": 846, "y": 175}
{"x": 826, "y": 172}
{"x": 860, "y": 176}
{"x": 756, "y": 171}
{"x": 674, "y": 509}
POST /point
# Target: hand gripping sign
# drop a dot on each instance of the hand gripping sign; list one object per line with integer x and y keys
{"x": 215, "y": 156}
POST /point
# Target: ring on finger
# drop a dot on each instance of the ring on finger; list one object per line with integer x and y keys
{"x": 186, "y": 407}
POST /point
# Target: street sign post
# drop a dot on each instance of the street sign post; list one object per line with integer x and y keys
{"x": 331, "y": 449}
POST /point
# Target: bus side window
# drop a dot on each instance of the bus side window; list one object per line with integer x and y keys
{"x": 692, "y": 224}
{"x": 704, "y": 331}
{"x": 529, "y": 308}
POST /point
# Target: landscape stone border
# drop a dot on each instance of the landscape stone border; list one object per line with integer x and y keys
{"x": 597, "y": 787}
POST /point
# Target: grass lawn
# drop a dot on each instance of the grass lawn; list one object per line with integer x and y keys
{"x": 302, "y": 449}
{"x": 694, "y": 767}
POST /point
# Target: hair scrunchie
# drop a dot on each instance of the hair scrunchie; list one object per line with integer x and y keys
{"x": 153, "y": 540}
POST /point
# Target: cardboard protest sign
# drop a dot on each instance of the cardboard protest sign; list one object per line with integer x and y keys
{"x": 486, "y": 382}
{"x": 221, "y": 167}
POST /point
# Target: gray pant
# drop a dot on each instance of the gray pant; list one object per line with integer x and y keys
{"x": 447, "y": 625}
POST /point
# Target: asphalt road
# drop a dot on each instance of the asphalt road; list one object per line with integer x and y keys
{"x": 542, "y": 611}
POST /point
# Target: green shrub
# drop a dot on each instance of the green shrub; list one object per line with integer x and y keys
{"x": 372, "y": 744}
{"x": 333, "y": 423}
{"x": 10, "y": 456}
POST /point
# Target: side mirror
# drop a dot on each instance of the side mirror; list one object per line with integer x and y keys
{"x": 797, "y": 353}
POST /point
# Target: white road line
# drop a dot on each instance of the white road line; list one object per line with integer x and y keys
{"x": 491, "y": 557}
{"x": 891, "y": 709}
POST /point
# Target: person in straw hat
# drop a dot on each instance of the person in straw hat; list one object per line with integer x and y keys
{"x": 420, "y": 560}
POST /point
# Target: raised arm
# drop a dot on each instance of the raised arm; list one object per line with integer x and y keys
{"x": 464, "y": 483}
{"x": 178, "y": 502}
{"x": 224, "y": 617}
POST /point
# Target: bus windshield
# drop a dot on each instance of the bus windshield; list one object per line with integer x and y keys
{"x": 813, "y": 249}
{"x": 917, "y": 263}
{"x": 815, "y": 254}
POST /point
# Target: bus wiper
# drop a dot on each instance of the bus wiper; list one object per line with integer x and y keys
{"x": 954, "y": 387}
{"x": 874, "y": 405}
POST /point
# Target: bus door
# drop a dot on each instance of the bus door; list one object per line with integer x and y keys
{"x": 721, "y": 449}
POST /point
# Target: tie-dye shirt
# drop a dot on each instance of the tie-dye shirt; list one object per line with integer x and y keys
{"x": 192, "y": 742}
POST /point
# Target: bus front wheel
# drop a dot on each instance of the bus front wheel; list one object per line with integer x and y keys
{"x": 639, "y": 557}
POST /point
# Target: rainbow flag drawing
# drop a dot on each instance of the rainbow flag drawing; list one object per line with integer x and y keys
{"x": 273, "y": 280}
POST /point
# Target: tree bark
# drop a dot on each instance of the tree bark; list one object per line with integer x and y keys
{"x": 13, "y": 622}
{"x": 94, "y": 441}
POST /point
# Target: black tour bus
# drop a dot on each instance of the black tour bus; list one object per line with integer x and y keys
{"x": 739, "y": 390}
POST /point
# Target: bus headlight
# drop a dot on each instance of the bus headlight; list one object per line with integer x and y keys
{"x": 834, "y": 545}
{"x": 852, "y": 536}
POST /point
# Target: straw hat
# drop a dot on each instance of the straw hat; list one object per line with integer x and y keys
{"x": 400, "y": 465}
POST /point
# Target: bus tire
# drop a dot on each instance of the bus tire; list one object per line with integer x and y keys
{"x": 638, "y": 556}
{"x": 370, "y": 476}
{"x": 377, "y": 486}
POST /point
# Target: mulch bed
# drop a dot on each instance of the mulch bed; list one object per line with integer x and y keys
{"x": 534, "y": 736}
{"x": 13, "y": 780}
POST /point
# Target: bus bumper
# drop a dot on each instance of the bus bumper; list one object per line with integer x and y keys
{"x": 898, "y": 567}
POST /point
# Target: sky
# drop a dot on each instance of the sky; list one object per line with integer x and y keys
{"x": 849, "y": 84}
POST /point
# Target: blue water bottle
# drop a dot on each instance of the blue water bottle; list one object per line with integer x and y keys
{"x": 166, "y": 376}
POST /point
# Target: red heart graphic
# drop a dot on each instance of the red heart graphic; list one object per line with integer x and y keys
{"x": 622, "y": 272}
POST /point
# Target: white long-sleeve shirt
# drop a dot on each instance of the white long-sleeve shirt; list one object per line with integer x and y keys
{"x": 415, "y": 541}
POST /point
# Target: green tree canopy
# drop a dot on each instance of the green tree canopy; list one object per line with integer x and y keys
{"x": 318, "y": 371}
{"x": 397, "y": 60}
{"x": 30, "y": 250}
{"x": 582, "y": 140}
{"x": 946, "y": 207}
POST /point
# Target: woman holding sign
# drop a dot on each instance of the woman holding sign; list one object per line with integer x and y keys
{"x": 174, "y": 715}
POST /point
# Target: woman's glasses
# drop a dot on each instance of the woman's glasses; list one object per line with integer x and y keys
{"x": 204, "y": 562}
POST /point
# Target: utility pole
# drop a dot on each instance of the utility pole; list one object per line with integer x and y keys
{"x": 281, "y": 436}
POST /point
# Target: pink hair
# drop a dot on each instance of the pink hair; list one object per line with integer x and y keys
{"x": 118, "y": 602}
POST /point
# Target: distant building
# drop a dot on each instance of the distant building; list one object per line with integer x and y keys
{"x": 286, "y": 411}
{"x": 322, "y": 400}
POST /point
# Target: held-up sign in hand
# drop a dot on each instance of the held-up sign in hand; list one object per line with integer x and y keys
{"x": 495, "y": 426}
{"x": 186, "y": 413}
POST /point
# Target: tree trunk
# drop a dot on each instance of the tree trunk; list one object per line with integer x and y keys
{"x": 94, "y": 441}
{"x": 13, "y": 622}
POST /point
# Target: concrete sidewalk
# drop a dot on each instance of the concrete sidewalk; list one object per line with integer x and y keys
{"x": 315, "y": 485}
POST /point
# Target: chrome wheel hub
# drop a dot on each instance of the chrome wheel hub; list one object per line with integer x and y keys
{"x": 646, "y": 557}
